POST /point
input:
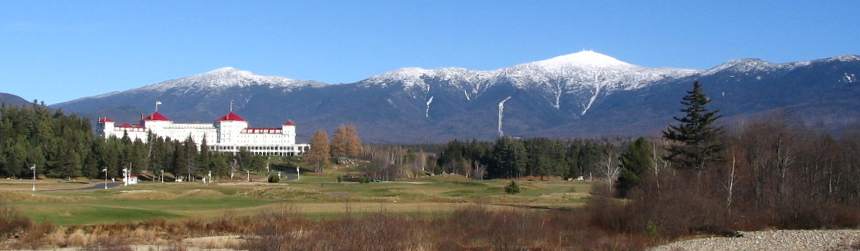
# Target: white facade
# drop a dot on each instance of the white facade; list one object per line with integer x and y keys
{"x": 229, "y": 134}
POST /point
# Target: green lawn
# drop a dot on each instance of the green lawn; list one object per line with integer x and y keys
{"x": 314, "y": 196}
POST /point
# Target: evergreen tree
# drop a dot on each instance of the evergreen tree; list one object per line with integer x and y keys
{"x": 180, "y": 160}
{"x": 509, "y": 159}
{"x": 695, "y": 138}
{"x": 635, "y": 162}
{"x": 190, "y": 150}
{"x": 203, "y": 160}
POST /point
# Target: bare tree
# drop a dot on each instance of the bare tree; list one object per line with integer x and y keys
{"x": 610, "y": 170}
{"x": 730, "y": 185}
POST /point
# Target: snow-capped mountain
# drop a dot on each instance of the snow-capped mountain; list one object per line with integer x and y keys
{"x": 585, "y": 74}
{"x": 584, "y": 68}
{"x": 228, "y": 77}
{"x": 580, "y": 94}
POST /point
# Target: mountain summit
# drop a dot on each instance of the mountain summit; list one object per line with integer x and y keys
{"x": 227, "y": 77}
{"x": 585, "y": 58}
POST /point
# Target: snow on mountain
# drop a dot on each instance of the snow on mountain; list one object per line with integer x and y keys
{"x": 588, "y": 69}
{"x": 412, "y": 77}
{"x": 227, "y": 77}
{"x": 581, "y": 69}
{"x": 751, "y": 65}
{"x": 586, "y": 58}
{"x": 748, "y": 65}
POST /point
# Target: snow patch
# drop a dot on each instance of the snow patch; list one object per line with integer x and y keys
{"x": 591, "y": 100}
{"x": 849, "y": 78}
{"x": 427, "y": 112}
{"x": 501, "y": 115}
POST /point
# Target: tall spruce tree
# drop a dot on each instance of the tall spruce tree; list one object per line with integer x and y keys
{"x": 635, "y": 163}
{"x": 695, "y": 139}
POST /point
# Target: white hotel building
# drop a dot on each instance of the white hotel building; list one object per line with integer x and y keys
{"x": 230, "y": 133}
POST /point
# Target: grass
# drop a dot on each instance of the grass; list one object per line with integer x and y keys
{"x": 314, "y": 196}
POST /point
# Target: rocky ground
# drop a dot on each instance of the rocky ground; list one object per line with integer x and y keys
{"x": 774, "y": 240}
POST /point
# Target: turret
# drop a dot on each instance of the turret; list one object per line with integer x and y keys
{"x": 289, "y": 129}
{"x": 230, "y": 126}
{"x": 156, "y": 119}
{"x": 106, "y": 126}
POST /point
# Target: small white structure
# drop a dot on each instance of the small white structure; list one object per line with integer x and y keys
{"x": 130, "y": 180}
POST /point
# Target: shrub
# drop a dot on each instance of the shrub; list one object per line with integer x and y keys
{"x": 512, "y": 188}
{"x": 11, "y": 221}
{"x": 274, "y": 179}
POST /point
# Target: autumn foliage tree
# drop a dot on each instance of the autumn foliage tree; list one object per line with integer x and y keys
{"x": 320, "y": 150}
{"x": 346, "y": 142}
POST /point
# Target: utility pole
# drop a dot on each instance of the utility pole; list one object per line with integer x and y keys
{"x": 33, "y": 167}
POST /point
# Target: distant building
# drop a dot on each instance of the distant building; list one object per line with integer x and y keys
{"x": 230, "y": 133}
{"x": 130, "y": 180}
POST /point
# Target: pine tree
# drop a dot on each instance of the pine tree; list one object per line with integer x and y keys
{"x": 509, "y": 158}
{"x": 190, "y": 149}
{"x": 204, "y": 158}
{"x": 180, "y": 160}
{"x": 696, "y": 138}
{"x": 635, "y": 162}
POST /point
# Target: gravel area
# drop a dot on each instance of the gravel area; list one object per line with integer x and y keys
{"x": 774, "y": 240}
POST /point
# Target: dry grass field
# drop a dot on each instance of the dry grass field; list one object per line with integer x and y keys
{"x": 85, "y": 202}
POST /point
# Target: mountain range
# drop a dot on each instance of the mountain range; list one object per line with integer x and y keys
{"x": 583, "y": 94}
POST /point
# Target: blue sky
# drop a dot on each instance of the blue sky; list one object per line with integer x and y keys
{"x": 61, "y": 50}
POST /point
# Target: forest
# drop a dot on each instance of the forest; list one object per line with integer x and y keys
{"x": 64, "y": 146}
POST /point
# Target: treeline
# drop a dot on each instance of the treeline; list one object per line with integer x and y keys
{"x": 503, "y": 158}
{"x": 511, "y": 158}
{"x": 64, "y": 146}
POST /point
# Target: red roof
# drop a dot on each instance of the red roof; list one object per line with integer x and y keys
{"x": 290, "y": 123}
{"x": 156, "y": 116}
{"x": 232, "y": 116}
{"x": 104, "y": 120}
